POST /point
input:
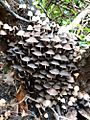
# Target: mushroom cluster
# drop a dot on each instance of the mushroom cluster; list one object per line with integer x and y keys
{"x": 44, "y": 60}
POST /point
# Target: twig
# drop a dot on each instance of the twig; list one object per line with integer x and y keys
{"x": 78, "y": 18}
{"x": 76, "y": 21}
{"x": 8, "y": 8}
{"x": 59, "y": 116}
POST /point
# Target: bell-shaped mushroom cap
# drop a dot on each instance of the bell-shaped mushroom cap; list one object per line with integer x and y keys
{"x": 11, "y": 44}
{"x": 63, "y": 66}
{"x": 37, "y": 34}
{"x": 19, "y": 52}
{"x": 55, "y": 62}
{"x": 7, "y": 27}
{"x": 54, "y": 71}
{"x": 2, "y": 32}
{"x": 41, "y": 76}
{"x": 56, "y": 86}
{"x": 20, "y": 33}
{"x": 22, "y": 6}
{"x": 37, "y": 27}
{"x": 40, "y": 45}
{"x": 26, "y": 59}
{"x": 31, "y": 65}
{"x": 67, "y": 47}
{"x": 29, "y": 27}
{"x": 38, "y": 13}
{"x": 45, "y": 39}
{"x": 47, "y": 85}
{"x": 58, "y": 46}
{"x": 57, "y": 57}
{"x": 30, "y": 13}
{"x": 61, "y": 57}
{"x": 21, "y": 42}
{"x": 64, "y": 58}
{"x": 37, "y": 53}
{"x": 46, "y": 27}
{"x": 38, "y": 87}
{"x": 18, "y": 67}
{"x": 51, "y": 76}
{"x": 70, "y": 79}
{"x": 64, "y": 73}
{"x": 56, "y": 39}
{"x": 52, "y": 92}
{"x": 50, "y": 52}
{"x": 31, "y": 40}
{"x": 1, "y": 23}
{"x": 27, "y": 34}
{"x": 44, "y": 63}
{"x": 43, "y": 15}
{"x": 47, "y": 103}
{"x": 49, "y": 46}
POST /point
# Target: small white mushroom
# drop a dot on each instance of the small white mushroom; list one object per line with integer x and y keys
{"x": 2, "y": 32}
{"x": 47, "y": 103}
{"x": 52, "y": 92}
{"x": 22, "y": 6}
{"x": 20, "y": 33}
{"x": 76, "y": 88}
{"x": 46, "y": 115}
{"x": 70, "y": 103}
{"x": 86, "y": 96}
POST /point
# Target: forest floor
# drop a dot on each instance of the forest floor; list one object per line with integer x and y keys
{"x": 8, "y": 106}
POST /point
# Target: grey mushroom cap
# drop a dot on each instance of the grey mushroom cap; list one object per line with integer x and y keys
{"x": 52, "y": 92}
{"x": 54, "y": 71}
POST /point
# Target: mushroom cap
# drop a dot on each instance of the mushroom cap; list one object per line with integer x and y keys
{"x": 37, "y": 53}
{"x": 29, "y": 27}
{"x": 44, "y": 63}
{"x": 54, "y": 71}
{"x": 31, "y": 40}
{"x": 58, "y": 46}
{"x": 67, "y": 47}
{"x": 31, "y": 65}
{"x": 55, "y": 62}
{"x": 45, "y": 39}
{"x": 50, "y": 52}
{"x": 26, "y": 59}
{"x": 52, "y": 92}
{"x": 47, "y": 103}
{"x": 64, "y": 73}
{"x": 30, "y": 13}
{"x": 2, "y": 32}
{"x": 40, "y": 45}
{"x": 56, "y": 39}
{"x": 60, "y": 57}
{"x": 47, "y": 85}
{"x": 7, "y": 27}
{"x": 20, "y": 33}
{"x": 1, "y": 23}
{"x": 38, "y": 87}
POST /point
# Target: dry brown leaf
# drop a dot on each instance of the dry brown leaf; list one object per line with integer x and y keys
{"x": 1, "y": 117}
{"x": 20, "y": 95}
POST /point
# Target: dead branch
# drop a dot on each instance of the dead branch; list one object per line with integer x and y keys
{"x": 7, "y": 7}
{"x": 76, "y": 21}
